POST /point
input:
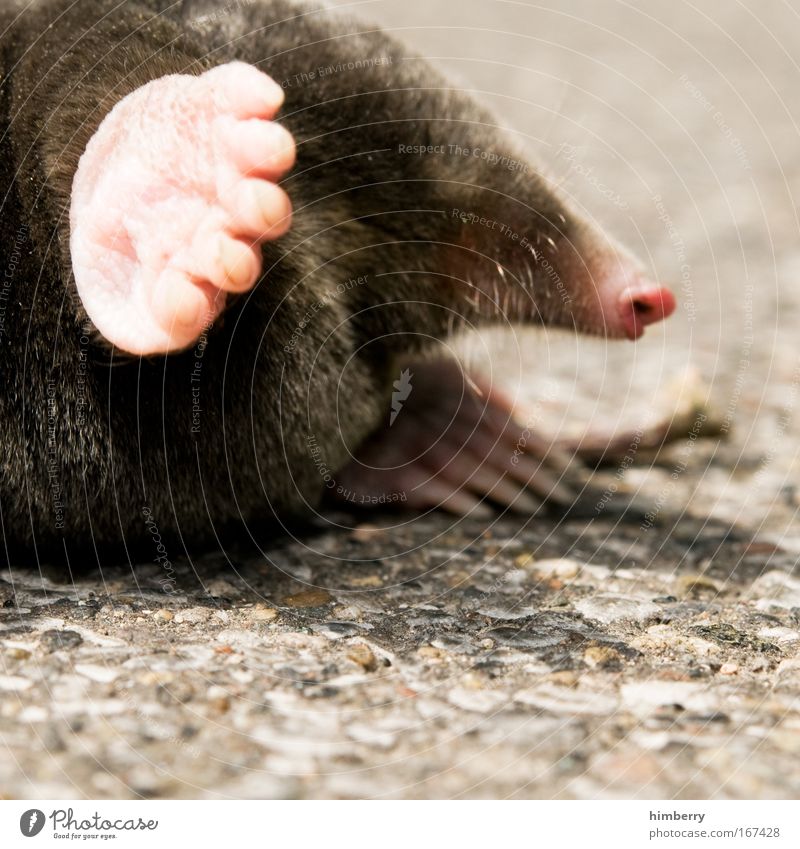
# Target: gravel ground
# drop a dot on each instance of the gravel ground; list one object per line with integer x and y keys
{"x": 593, "y": 655}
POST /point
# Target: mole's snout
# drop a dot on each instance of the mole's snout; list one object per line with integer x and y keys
{"x": 642, "y": 305}
{"x": 625, "y": 299}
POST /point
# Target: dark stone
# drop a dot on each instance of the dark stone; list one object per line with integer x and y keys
{"x": 51, "y": 641}
{"x": 726, "y": 634}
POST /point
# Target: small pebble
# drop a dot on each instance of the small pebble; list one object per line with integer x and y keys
{"x": 363, "y": 733}
{"x": 299, "y": 640}
{"x": 696, "y": 586}
{"x": 478, "y": 701}
{"x": 52, "y": 641}
{"x": 17, "y": 654}
{"x": 613, "y": 608}
{"x": 193, "y": 616}
{"x": 647, "y": 697}
{"x": 564, "y": 678}
{"x": 471, "y": 681}
{"x": 336, "y": 630}
{"x": 569, "y": 701}
{"x": 430, "y": 653}
{"x": 350, "y": 613}
{"x": 776, "y": 589}
{"x": 564, "y": 569}
{"x": 6, "y": 592}
{"x": 308, "y": 598}
{"x": 366, "y": 532}
{"x": 602, "y": 657}
{"x": 363, "y": 655}
{"x": 371, "y": 580}
{"x": 780, "y": 635}
{"x": 220, "y": 588}
{"x": 219, "y": 705}
{"x": 95, "y": 672}
{"x": 262, "y": 613}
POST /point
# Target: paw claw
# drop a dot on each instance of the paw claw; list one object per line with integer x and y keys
{"x": 261, "y": 209}
{"x": 244, "y": 90}
{"x": 182, "y": 307}
{"x": 236, "y": 265}
{"x": 459, "y": 450}
{"x": 439, "y": 494}
{"x": 260, "y": 148}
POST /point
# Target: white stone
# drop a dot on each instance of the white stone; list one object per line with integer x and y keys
{"x": 479, "y": 701}
{"x": 569, "y": 701}
{"x": 193, "y": 616}
{"x": 363, "y": 733}
{"x": 613, "y": 608}
{"x": 557, "y": 568}
{"x": 95, "y": 672}
{"x": 777, "y": 589}
{"x": 780, "y": 635}
{"x": 239, "y": 639}
{"x": 14, "y": 683}
{"x": 645, "y": 697}
{"x": 33, "y": 714}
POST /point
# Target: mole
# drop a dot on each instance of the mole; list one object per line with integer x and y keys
{"x": 238, "y": 240}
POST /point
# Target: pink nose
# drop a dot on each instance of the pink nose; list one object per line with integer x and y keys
{"x": 643, "y": 305}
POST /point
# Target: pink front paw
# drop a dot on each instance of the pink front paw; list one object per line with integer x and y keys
{"x": 171, "y": 201}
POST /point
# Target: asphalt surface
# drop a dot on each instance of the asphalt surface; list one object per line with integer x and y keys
{"x": 545, "y": 657}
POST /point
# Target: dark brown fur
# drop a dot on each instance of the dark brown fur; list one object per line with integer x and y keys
{"x": 94, "y": 443}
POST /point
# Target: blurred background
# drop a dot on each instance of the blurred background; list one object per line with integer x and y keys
{"x": 674, "y": 126}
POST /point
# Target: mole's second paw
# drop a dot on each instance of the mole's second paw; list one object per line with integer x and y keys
{"x": 171, "y": 201}
{"x": 451, "y": 441}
